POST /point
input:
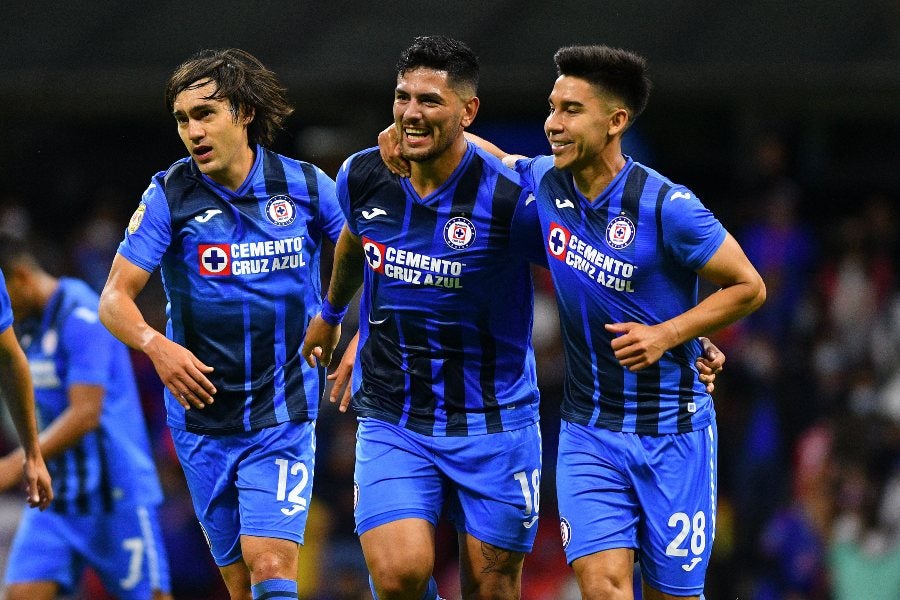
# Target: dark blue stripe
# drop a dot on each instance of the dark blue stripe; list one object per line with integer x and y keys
{"x": 452, "y": 367}
{"x": 312, "y": 188}
{"x": 385, "y": 389}
{"x": 82, "y": 496}
{"x": 504, "y": 198}
{"x": 273, "y": 171}
{"x": 418, "y": 365}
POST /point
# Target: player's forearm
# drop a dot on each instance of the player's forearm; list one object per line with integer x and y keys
{"x": 17, "y": 389}
{"x": 121, "y": 315}
{"x": 508, "y": 159}
{"x": 347, "y": 273}
{"x": 65, "y": 432}
{"x": 716, "y": 311}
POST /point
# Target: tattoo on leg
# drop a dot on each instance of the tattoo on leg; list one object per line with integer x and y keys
{"x": 496, "y": 559}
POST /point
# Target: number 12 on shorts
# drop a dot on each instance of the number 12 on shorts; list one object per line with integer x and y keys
{"x": 295, "y": 495}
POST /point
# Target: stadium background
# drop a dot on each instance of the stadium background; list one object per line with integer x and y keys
{"x": 783, "y": 117}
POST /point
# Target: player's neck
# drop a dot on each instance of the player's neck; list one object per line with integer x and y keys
{"x": 236, "y": 173}
{"x": 427, "y": 176}
{"x": 595, "y": 177}
{"x": 45, "y": 286}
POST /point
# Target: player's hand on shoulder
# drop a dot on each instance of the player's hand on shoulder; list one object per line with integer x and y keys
{"x": 389, "y": 148}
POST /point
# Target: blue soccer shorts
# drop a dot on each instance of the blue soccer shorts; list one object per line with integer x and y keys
{"x": 656, "y": 494}
{"x": 256, "y": 483}
{"x": 490, "y": 482}
{"x": 125, "y": 548}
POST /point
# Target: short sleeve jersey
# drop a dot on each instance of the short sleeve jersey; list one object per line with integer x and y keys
{"x": 241, "y": 275}
{"x": 629, "y": 255}
{"x": 66, "y": 346}
{"x": 6, "y": 314}
{"x": 446, "y": 309}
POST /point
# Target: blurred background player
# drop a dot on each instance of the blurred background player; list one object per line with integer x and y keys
{"x": 93, "y": 436}
{"x": 236, "y": 232}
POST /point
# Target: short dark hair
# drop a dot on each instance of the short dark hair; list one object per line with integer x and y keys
{"x": 620, "y": 73}
{"x": 241, "y": 79}
{"x": 442, "y": 53}
{"x": 16, "y": 250}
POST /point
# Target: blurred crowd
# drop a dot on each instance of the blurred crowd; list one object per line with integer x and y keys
{"x": 808, "y": 409}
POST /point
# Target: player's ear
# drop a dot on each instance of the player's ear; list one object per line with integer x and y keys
{"x": 470, "y": 110}
{"x": 246, "y": 115}
{"x": 618, "y": 121}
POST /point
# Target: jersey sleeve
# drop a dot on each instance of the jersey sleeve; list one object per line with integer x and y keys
{"x": 149, "y": 232}
{"x": 89, "y": 348}
{"x": 691, "y": 233}
{"x": 531, "y": 170}
{"x": 525, "y": 233}
{"x": 343, "y": 194}
{"x": 6, "y": 314}
{"x": 331, "y": 218}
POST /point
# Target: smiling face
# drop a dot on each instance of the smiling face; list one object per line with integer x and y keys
{"x": 214, "y": 135}
{"x": 583, "y": 126}
{"x": 430, "y": 114}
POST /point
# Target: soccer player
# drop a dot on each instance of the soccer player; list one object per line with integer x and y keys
{"x": 637, "y": 458}
{"x": 15, "y": 382}
{"x": 445, "y": 382}
{"x": 93, "y": 437}
{"x": 236, "y": 231}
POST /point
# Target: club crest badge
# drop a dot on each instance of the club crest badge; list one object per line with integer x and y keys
{"x": 280, "y": 210}
{"x": 136, "y": 218}
{"x": 565, "y": 532}
{"x": 459, "y": 233}
{"x": 619, "y": 232}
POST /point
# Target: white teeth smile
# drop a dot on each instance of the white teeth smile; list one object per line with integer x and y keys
{"x": 416, "y": 132}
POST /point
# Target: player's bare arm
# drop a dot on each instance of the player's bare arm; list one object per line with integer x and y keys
{"x": 741, "y": 292}
{"x": 346, "y": 277}
{"x": 342, "y": 374}
{"x": 15, "y": 380}
{"x": 81, "y": 417}
{"x": 180, "y": 371}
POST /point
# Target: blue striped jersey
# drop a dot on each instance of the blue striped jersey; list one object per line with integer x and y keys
{"x": 68, "y": 345}
{"x": 630, "y": 255}
{"x": 6, "y": 314}
{"x": 241, "y": 275}
{"x": 446, "y": 309}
